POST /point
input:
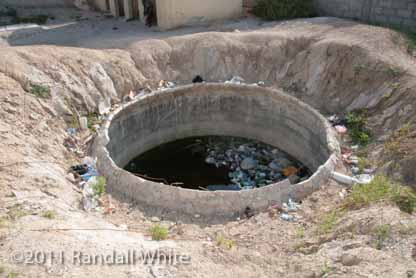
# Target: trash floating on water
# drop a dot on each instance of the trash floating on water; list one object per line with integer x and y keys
{"x": 218, "y": 163}
{"x": 251, "y": 163}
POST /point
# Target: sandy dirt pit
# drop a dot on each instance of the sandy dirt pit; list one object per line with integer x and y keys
{"x": 332, "y": 64}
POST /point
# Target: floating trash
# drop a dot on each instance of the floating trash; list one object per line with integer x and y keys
{"x": 218, "y": 163}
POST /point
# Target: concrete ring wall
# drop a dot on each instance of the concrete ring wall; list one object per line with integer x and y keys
{"x": 246, "y": 111}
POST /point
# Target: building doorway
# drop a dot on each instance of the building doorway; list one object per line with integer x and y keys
{"x": 150, "y": 12}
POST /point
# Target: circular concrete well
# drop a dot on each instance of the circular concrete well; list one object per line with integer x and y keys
{"x": 247, "y": 111}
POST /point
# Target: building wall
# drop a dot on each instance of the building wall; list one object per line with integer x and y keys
{"x": 99, "y": 5}
{"x": 394, "y": 12}
{"x": 174, "y": 13}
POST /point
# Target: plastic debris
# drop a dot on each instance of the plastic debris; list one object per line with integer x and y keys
{"x": 104, "y": 106}
{"x": 337, "y": 121}
{"x": 80, "y": 169}
{"x": 333, "y": 119}
{"x": 89, "y": 161}
{"x": 344, "y": 179}
{"x": 83, "y": 123}
{"x": 341, "y": 129}
{"x": 130, "y": 97}
{"x": 287, "y": 217}
{"x": 164, "y": 85}
{"x": 249, "y": 212}
{"x": 92, "y": 172}
{"x": 89, "y": 199}
{"x": 364, "y": 178}
{"x": 236, "y": 80}
{"x": 355, "y": 170}
{"x": 197, "y": 79}
{"x": 250, "y": 163}
{"x": 291, "y": 206}
{"x": 71, "y": 131}
{"x": 290, "y": 171}
{"x": 369, "y": 171}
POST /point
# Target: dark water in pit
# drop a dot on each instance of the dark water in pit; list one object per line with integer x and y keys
{"x": 214, "y": 163}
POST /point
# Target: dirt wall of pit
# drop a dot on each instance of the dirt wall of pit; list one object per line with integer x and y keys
{"x": 334, "y": 65}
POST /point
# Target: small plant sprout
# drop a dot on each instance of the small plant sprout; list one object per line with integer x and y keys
{"x": 99, "y": 186}
{"x": 382, "y": 233}
{"x": 40, "y": 91}
{"x": 224, "y": 242}
{"x": 50, "y": 214}
{"x": 159, "y": 232}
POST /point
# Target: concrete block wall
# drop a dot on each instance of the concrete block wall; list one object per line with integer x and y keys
{"x": 392, "y": 12}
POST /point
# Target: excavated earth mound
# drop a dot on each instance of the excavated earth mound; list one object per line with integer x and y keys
{"x": 335, "y": 67}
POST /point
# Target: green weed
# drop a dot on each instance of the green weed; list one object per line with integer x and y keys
{"x": 382, "y": 233}
{"x": 99, "y": 186}
{"x": 159, "y": 232}
{"x": 326, "y": 269}
{"x": 12, "y": 274}
{"x": 329, "y": 221}
{"x": 363, "y": 163}
{"x": 17, "y": 212}
{"x": 93, "y": 119}
{"x": 284, "y": 9}
{"x": 381, "y": 189}
{"x": 3, "y": 222}
{"x": 50, "y": 214}
{"x": 37, "y": 19}
{"x": 356, "y": 123}
{"x": 224, "y": 242}
{"x": 40, "y": 91}
{"x": 300, "y": 232}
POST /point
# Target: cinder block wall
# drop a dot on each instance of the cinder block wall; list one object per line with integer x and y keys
{"x": 393, "y": 12}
